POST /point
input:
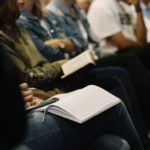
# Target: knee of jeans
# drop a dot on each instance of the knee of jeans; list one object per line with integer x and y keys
{"x": 112, "y": 142}
{"x": 124, "y": 145}
{"x": 120, "y": 107}
{"x": 120, "y": 110}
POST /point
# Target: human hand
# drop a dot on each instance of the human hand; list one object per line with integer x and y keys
{"x": 65, "y": 44}
{"x": 55, "y": 43}
{"x": 35, "y": 101}
{"x": 69, "y": 45}
{"x": 63, "y": 61}
{"x": 28, "y": 96}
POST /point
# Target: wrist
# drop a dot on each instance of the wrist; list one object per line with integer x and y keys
{"x": 138, "y": 8}
{"x": 61, "y": 45}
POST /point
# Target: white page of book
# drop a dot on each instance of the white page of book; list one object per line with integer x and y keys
{"x": 85, "y": 103}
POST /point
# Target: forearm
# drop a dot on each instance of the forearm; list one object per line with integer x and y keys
{"x": 69, "y": 45}
{"x": 43, "y": 76}
{"x": 140, "y": 29}
{"x": 65, "y": 44}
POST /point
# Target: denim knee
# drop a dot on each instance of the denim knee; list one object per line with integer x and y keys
{"x": 110, "y": 142}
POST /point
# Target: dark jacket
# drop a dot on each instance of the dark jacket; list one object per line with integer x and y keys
{"x": 35, "y": 69}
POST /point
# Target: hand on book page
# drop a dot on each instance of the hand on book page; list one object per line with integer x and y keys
{"x": 82, "y": 104}
{"x": 78, "y": 62}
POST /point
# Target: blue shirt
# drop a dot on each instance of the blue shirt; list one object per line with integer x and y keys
{"x": 59, "y": 8}
{"x": 39, "y": 36}
{"x": 61, "y": 29}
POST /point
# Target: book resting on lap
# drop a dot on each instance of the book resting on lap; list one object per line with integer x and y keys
{"x": 80, "y": 105}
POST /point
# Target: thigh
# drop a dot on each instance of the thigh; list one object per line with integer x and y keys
{"x": 42, "y": 135}
{"x": 61, "y": 134}
{"x": 142, "y": 52}
{"x": 139, "y": 75}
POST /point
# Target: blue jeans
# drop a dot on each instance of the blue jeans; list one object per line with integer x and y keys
{"x": 117, "y": 81}
{"x": 109, "y": 142}
{"x": 57, "y": 133}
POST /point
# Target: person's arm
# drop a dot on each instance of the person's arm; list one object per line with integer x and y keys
{"x": 122, "y": 42}
{"x": 28, "y": 96}
{"x": 140, "y": 29}
{"x": 50, "y": 53}
{"x": 67, "y": 30}
{"x": 113, "y": 31}
{"x": 39, "y": 75}
{"x": 65, "y": 44}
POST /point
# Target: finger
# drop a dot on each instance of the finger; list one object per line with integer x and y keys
{"x": 27, "y": 93}
{"x": 28, "y": 98}
{"x": 36, "y": 101}
{"x": 23, "y": 86}
{"x": 27, "y": 105}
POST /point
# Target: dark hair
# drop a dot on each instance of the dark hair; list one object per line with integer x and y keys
{"x": 9, "y": 12}
{"x": 37, "y": 9}
{"x": 12, "y": 113}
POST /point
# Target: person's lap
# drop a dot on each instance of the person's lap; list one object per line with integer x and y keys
{"x": 58, "y": 133}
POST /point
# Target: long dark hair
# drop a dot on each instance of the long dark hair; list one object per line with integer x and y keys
{"x": 9, "y": 12}
{"x": 12, "y": 113}
{"x": 37, "y": 9}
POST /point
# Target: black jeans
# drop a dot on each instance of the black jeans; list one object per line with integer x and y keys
{"x": 137, "y": 67}
{"x": 115, "y": 80}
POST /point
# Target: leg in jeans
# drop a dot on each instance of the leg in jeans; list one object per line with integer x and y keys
{"x": 116, "y": 80}
{"x": 109, "y": 142}
{"x": 57, "y": 133}
{"x": 139, "y": 75}
{"x": 142, "y": 52}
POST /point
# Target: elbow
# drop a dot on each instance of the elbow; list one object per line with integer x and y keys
{"x": 123, "y": 46}
{"x": 142, "y": 41}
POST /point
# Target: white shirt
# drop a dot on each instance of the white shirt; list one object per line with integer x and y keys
{"x": 108, "y": 17}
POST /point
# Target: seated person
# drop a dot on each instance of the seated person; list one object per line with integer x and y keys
{"x": 45, "y": 40}
{"x": 101, "y": 142}
{"x": 13, "y": 121}
{"x": 74, "y": 15}
{"x": 126, "y": 61}
{"x": 124, "y": 34}
{"x": 39, "y": 73}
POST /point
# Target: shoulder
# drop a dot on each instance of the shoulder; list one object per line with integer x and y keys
{"x": 103, "y": 5}
{"x": 103, "y": 8}
{"x": 24, "y": 21}
{"x": 55, "y": 10}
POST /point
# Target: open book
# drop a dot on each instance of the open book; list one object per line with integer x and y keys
{"x": 82, "y": 104}
{"x": 78, "y": 62}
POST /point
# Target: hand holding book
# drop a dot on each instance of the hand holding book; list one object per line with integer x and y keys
{"x": 81, "y": 105}
{"x": 82, "y": 60}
